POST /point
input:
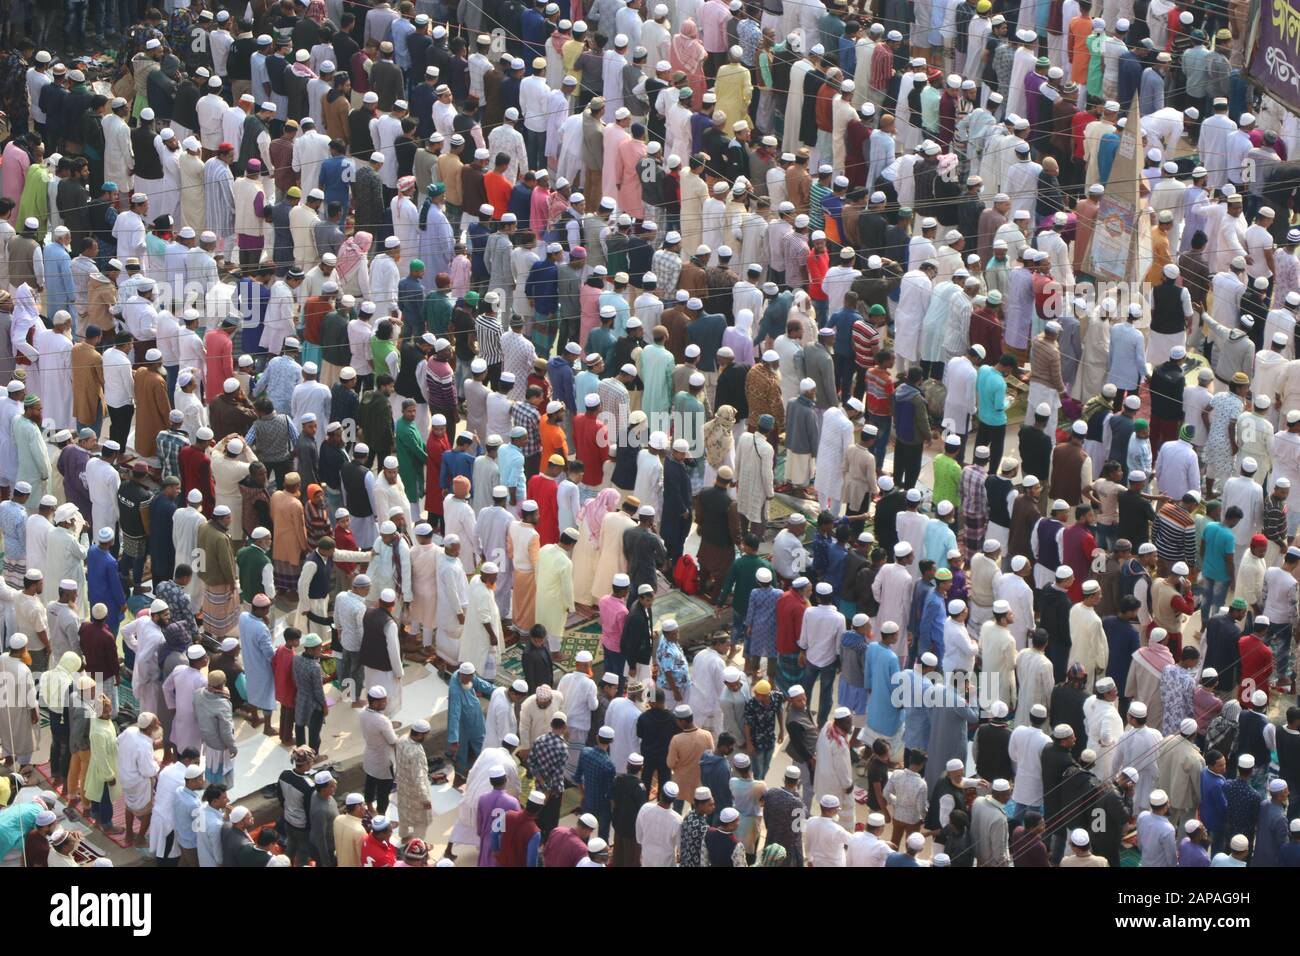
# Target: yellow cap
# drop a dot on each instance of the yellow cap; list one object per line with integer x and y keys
{"x": 763, "y": 687}
{"x": 294, "y": 192}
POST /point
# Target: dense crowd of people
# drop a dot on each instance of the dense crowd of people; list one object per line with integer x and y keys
{"x": 347, "y": 339}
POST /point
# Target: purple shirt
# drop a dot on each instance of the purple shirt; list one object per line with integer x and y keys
{"x": 491, "y": 814}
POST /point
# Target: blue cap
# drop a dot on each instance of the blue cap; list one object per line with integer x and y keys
{"x": 109, "y": 186}
{"x": 766, "y": 421}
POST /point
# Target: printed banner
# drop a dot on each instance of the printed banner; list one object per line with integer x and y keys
{"x": 1275, "y": 60}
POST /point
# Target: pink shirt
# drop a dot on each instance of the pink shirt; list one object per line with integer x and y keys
{"x": 613, "y": 612}
{"x": 713, "y": 26}
{"x": 540, "y": 210}
{"x": 459, "y": 274}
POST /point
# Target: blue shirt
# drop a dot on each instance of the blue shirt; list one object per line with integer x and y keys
{"x": 510, "y": 462}
{"x": 842, "y": 322}
{"x": 185, "y": 807}
{"x": 878, "y": 672}
{"x": 1218, "y": 542}
{"x": 13, "y": 523}
{"x": 336, "y": 174}
{"x": 622, "y": 311}
{"x": 257, "y": 650}
{"x": 560, "y": 374}
{"x": 1151, "y": 94}
{"x": 596, "y": 774}
{"x": 277, "y": 383}
{"x": 464, "y": 714}
{"x": 991, "y": 393}
{"x": 929, "y": 636}
{"x": 916, "y": 718}
{"x": 456, "y": 463}
{"x": 939, "y": 540}
{"x": 848, "y": 55}
{"x": 103, "y": 586}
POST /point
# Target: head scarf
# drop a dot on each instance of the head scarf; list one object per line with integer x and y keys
{"x": 353, "y": 252}
{"x": 55, "y": 682}
{"x": 316, "y": 10}
{"x": 685, "y": 51}
{"x": 593, "y": 512}
{"x": 745, "y": 326}
{"x": 718, "y": 440}
{"x": 773, "y": 855}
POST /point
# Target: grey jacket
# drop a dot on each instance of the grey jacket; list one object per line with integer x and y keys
{"x": 212, "y": 712}
{"x": 815, "y": 362}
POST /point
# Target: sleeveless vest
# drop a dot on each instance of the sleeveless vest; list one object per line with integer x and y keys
{"x": 374, "y": 646}
{"x": 355, "y": 497}
{"x": 998, "y": 488}
{"x": 322, "y": 582}
{"x": 253, "y": 128}
{"x": 1049, "y": 555}
{"x": 1167, "y": 309}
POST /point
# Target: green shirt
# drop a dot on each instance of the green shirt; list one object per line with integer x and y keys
{"x": 250, "y": 560}
{"x": 1095, "y": 63}
{"x": 741, "y": 581}
{"x": 947, "y": 479}
{"x": 411, "y": 459}
{"x": 437, "y": 312}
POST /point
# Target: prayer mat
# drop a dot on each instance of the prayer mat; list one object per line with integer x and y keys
{"x": 82, "y": 814}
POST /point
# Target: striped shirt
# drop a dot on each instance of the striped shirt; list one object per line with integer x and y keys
{"x": 866, "y": 342}
{"x": 1174, "y": 534}
{"x": 815, "y": 199}
{"x": 487, "y": 332}
{"x": 1273, "y": 520}
{"x": 880, "y": 392}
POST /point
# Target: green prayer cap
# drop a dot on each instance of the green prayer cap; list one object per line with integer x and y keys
{"x": 1140, "y": 423}
{"x": 1238, "y": 604}
{"x": 417, "y": 265}
{"x": 943, "y": 574}
{"x": 471, "y": 298}
{"x": 1044, "y": 61}
{"x": 876, "y": 310}
{"x": 311, "y": 640}
{"x": 31, "y": 400}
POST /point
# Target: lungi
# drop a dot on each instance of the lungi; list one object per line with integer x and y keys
{"x": 798, "y": 468}
{"x": 286, "y": 575}
{"x": 523, "y": 607}
{"x": 220, "y": 609}
{"x": 14, "y": 571}
{"x": 1159, "y": 344}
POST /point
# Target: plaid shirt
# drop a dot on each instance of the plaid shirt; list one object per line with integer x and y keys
{"x": 596, "y": 774}
{"x": 974, "y": 506}
{"x": 614, "y": 406}
{"x": 795, "y": 246}
{"x": 667, "y": 267}
{"x": 170, "y": 443}
{"x": 518, "y": 354}
{"x": 546, "y": 761}
{"x": 911, "y": 797}
{"x": 521, "y": 413}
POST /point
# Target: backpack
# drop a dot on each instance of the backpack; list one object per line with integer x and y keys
{"x": 686, "y": 574}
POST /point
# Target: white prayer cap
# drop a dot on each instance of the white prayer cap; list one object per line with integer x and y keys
{"x": 1079, "y": 837}
{"x": 1137, "y": 709}
{"x": 1001, "y": 785}
{"x": 1158, "y": 798}
{"x": 1039, "y": 711}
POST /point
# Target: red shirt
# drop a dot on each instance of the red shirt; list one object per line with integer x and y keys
{"x": 520, "y": 828}
{"x": 345, "y": 542}
{"x": 866, "y": 340}
{"x": 817, "y": 266}
{"x": 789, "y": 619}
{"x": 591, "y": 445}
{"x": 286, "y": 690}
{"x": 435, "y": 446}
{"x": 543, "y": 490}
{"x": 986, "y": 330}
{"x": 1077, "y": 125}
{"x": 880, "y": 391}
{"x": 1256, "y": 666}
{"x": 564, "y": 848}
{"x": 196, "y": 472}
{"x": 377, "y": 852}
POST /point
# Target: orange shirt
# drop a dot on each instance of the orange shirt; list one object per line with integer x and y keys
{"x": 1080, "y": 29}
{"x": 553, "y": 441}
{"x": 498, "y": 189}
